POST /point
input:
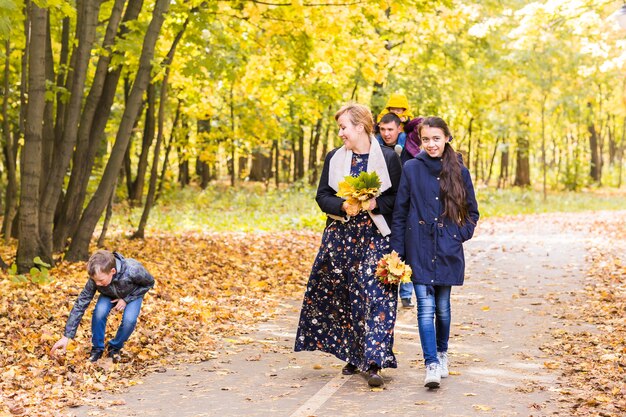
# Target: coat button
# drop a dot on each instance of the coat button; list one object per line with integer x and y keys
{"x": 437, "y": 178}
{"x": 436, "y": 198}
{"x": 435, "y": 219}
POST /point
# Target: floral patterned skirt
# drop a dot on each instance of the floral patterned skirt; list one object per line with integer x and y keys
{"x": 346, "y": 310}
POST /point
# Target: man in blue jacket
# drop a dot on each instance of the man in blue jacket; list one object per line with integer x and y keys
{"x": 122, "y": 284}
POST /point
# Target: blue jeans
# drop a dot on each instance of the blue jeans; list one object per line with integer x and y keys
{"x": 99, "y": 322}
{"x": 433, "y": 320}
{"x": 406, "y": 290}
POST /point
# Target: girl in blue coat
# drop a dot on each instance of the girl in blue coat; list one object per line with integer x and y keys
{"x": 435, "y": 212}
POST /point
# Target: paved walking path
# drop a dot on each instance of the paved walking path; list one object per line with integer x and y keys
{"x": 520, "y": 276}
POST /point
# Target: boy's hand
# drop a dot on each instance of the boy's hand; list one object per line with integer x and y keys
{"x": 121, "y": 304}
{"x": 61, "y": 344}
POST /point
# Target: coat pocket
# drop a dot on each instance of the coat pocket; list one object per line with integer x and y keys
{"x": 454, "y": 232}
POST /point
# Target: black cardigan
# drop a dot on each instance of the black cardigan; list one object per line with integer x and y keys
{"x": 331, "y": 204}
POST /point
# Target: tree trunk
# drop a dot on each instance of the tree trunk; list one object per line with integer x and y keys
{"x": 87, "y": 22}
{"x": 154, "y": 171}
{"x": 148, "y": 137}
{"x": 48, "y": 138}
{"x": 181, "y": 151}
{"x": 504, "y": 166}
{"x": 168, "y": 149}
{"x": 203, "y": 171}
{"x": 522, "y": 169}
{"x": 29, "y": 245}
{"x": 261, "y": 169}
{"x": 276, "y": 164}
{"x": 594, "y": 168}
{"x": 477, "y": 172}
{"x": 183, "y": 172}
{"x": 79, "y": 248}
{"x": 297, "y": 148}
{"x": 621, "y": 154}
{"x": 233, "y": 178}
{"x": 544, "y": 163}
{"x": 107, "y": 218}
{"x": 469, "y": 142}
{"x": 92, "y": 124}
{"x": 313, "y": 160}
{"x": 24, "y": 72}
{"x": 10, "y": 153}
{"x": 61, "y": 79}
{"x": 492, "y": 160}
{"x": 612, "y": 131}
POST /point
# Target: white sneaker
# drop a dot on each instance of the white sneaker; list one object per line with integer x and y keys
{"x": 433, "y": 375}
{"x": 443, "y": 363}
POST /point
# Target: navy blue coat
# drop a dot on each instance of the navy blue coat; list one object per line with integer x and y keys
{"x": 432, "y": 245}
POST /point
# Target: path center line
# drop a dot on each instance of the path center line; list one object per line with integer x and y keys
{"x": 317, "y": 400}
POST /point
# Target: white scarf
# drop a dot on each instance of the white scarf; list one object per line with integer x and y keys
{"x": 339, "y": 168}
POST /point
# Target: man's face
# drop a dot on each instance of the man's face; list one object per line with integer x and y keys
{"x": 102, "y": 279}
{"x": 389, "y": 132}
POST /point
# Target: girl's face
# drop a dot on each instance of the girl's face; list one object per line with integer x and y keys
{"x": 433, "y": 141}
{"x": 349, "y": 133}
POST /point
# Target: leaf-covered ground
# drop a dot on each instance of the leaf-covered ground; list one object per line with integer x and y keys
{"x": 591, "y": 352}
{"x": 216, "y": 285}
{"x": 206, "y": 286}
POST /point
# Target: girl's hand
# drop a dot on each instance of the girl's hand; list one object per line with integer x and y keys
{"x": 373, "y": 204}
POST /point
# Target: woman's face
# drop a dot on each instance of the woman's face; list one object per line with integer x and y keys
{"x": 349, "y": 133}
{"x": 433, "y": 141}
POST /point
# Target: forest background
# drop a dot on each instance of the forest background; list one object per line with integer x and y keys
{"x": 126, "y": 103}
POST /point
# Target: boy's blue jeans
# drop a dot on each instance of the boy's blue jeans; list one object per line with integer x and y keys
{"x": 433, "y": 320}
{"x": 99, "y": 322}
{"x": 406, "y": 290}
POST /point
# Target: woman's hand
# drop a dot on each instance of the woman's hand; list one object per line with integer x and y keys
{"x": 350, "y": 208}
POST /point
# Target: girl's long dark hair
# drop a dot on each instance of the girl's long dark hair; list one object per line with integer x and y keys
{"x": 453, "y": 193}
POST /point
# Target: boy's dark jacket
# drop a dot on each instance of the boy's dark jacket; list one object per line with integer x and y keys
{"x": 130, "y": 282}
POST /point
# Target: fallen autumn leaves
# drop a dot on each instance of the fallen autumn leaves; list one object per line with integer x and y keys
{"x": 221, "y": 284}
{"x": 206, "y": 286}
{"x": 592, "y": 358}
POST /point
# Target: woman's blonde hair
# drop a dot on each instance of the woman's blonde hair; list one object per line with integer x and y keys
{"x": 359, "y": 115}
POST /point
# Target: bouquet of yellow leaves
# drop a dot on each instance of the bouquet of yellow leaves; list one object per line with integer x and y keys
{"x": 359, "y": 190}
{"x": 392, "y": 270}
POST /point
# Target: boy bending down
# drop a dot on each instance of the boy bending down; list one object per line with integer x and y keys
{"x": 122, "y": 283}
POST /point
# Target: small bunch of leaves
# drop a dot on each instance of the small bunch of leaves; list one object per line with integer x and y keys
{"x": 38, "y": 274}
{"x": 359, "y": 190}
{"x": 392, "y": 270}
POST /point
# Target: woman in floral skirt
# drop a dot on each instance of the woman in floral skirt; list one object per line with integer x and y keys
{"x": 346, "y": 310}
